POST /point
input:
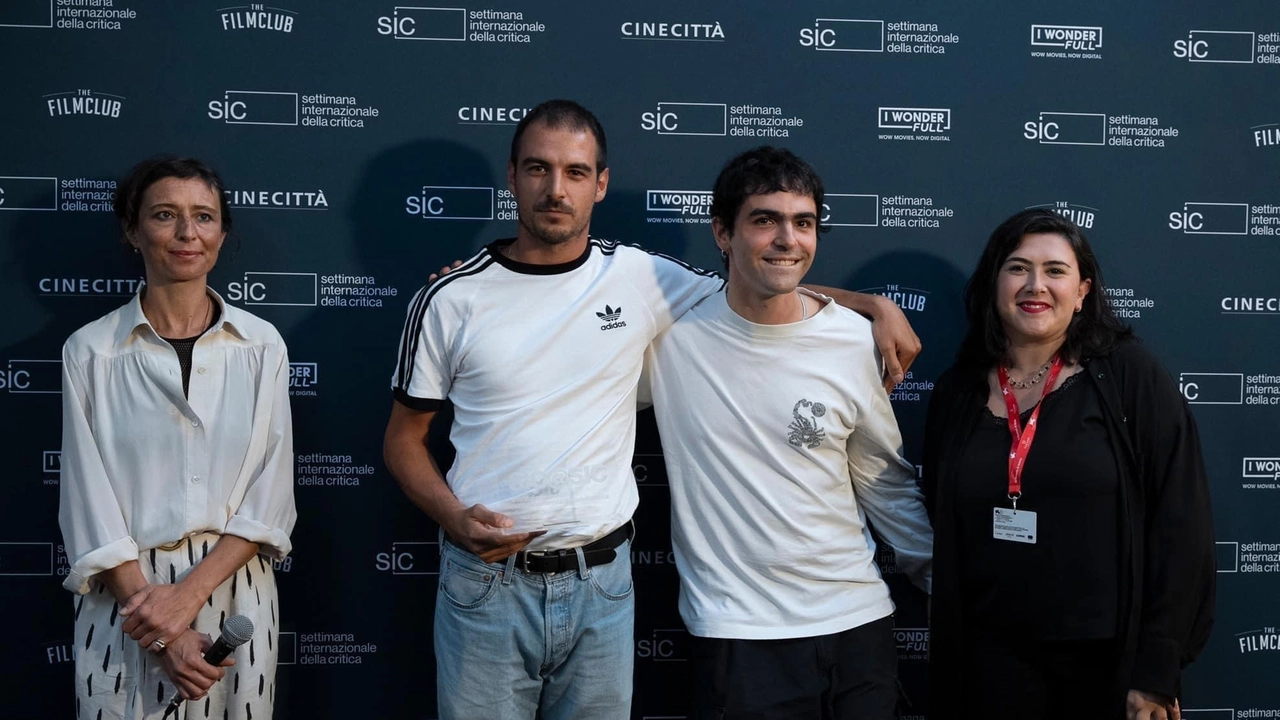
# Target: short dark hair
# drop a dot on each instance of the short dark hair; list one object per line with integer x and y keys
{"x": 761, "y": 171}
{"x": 128, "y": 200}
{"x": 1093, "y": 331}
{"x": 559, "y": 115}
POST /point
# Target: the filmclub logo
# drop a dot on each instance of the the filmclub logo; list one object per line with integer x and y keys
{"x": 1266, "y": 135}
{"x": 84, "y": 102}
{"x": 296, "y": 289}
{"x": 907, "y": 298}
{"x": 1082, "y": 215}
{"x": 1216, "y": 46}
{"x": 1200, "y": 388}
{"x": 1067, "y": 37}
{"x": 664, "y": 645}
{"x": 26, "y": 559}
{"x": 59, "y": 652}
{"x": 453, "y": 202}
{"x": 31, "y": 377}
{"x": 844, "y": 35}
{"x": 1263, "y": 639}
{"x": 850, "y": 210}
{"x": 481, "y": 115}
{"x": 18, "y": 192}
{"x": 1211, "y": 218}
{"x": 255, "y": 107}
{"x": 679, "y": 31}
{"x": 682, "y": 118}
{"x": 257, "y": 16}
{"x": 924, "y": 120}
{"x": 1067, "y": 128}
{"x": 409, "y": 558}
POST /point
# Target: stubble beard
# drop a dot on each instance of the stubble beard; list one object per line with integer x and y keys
{"x": 552, "y": 235}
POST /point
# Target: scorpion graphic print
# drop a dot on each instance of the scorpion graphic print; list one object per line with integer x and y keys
{"x": 804, "y": 431}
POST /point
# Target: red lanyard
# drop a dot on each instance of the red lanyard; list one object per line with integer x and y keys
{"x": 1022, "y": 439}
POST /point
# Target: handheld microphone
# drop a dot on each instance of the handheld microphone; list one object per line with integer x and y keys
{"x": 236, "y": 631}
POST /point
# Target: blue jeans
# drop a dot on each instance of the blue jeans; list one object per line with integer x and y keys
{"x": 509, "y": 643}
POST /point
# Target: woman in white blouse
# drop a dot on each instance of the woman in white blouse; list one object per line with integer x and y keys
{"x": 177, "y": 475}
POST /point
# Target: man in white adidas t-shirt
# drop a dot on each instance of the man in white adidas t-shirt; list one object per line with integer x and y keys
{"x": 538, "y": 341}
{"x": 780, "y": 445}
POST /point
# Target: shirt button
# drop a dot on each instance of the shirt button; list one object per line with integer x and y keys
{"x": 195, "y": 478}
{"x": 195, "y": 423}
{"x": 201, "y": 370}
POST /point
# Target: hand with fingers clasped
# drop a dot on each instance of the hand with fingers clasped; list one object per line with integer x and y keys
{"x": 1150, "y": 706}
{"x": 484, "y": 532}
{"x": 159, "y": 612}
{"x": 183, "y": 661}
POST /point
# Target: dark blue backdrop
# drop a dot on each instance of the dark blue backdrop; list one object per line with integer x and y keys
{"x": 366, "y": 143}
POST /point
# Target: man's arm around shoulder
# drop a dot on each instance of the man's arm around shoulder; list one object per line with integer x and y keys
{"x": 894, "y": 337}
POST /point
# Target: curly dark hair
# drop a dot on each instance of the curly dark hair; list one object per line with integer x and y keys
{"x": 1093, "y": 331}
{"x": 128, "y": 200}
{"x": 760, "y": 171}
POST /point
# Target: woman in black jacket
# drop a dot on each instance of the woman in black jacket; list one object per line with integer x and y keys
{"x": 1074, "y": 555}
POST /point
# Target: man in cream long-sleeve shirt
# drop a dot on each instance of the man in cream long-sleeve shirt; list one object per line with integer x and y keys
{"x": 780, "y": 444}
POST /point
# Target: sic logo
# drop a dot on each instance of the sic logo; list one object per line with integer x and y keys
{"x": 397, "y": 26}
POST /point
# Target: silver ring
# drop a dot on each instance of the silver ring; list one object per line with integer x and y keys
{"x": 158, "y": 645}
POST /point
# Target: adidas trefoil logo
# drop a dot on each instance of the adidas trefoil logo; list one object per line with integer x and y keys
{"x": 610, "y": 317}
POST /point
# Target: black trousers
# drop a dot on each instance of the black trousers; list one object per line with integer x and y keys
{"x": 1010, "y": 679}
{"x": 851, "y": 675}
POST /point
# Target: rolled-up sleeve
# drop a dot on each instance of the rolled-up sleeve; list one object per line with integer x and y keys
{"x": 94, "y": 532}
{"x": 266, "y": 514}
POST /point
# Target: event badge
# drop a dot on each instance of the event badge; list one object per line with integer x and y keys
{"x": 1014, "y": 525}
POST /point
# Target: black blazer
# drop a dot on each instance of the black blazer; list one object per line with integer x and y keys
{"x": 1166, "y": 603}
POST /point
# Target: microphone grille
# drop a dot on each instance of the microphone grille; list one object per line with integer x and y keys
{"x": 237, "y": 630}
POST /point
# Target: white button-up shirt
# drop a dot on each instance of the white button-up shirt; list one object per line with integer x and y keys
{"x": 143, "y": 466}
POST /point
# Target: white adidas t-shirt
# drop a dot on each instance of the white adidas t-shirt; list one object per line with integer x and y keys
{"x": 541, "y": 363}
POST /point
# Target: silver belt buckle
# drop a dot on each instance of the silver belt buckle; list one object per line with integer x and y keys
{"x": 524, "y": 559}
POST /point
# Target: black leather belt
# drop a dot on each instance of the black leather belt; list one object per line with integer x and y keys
{"x": 597, "y": 553}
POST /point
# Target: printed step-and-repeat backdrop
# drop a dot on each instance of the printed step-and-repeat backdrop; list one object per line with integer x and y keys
{"x": 365, "y": 144}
